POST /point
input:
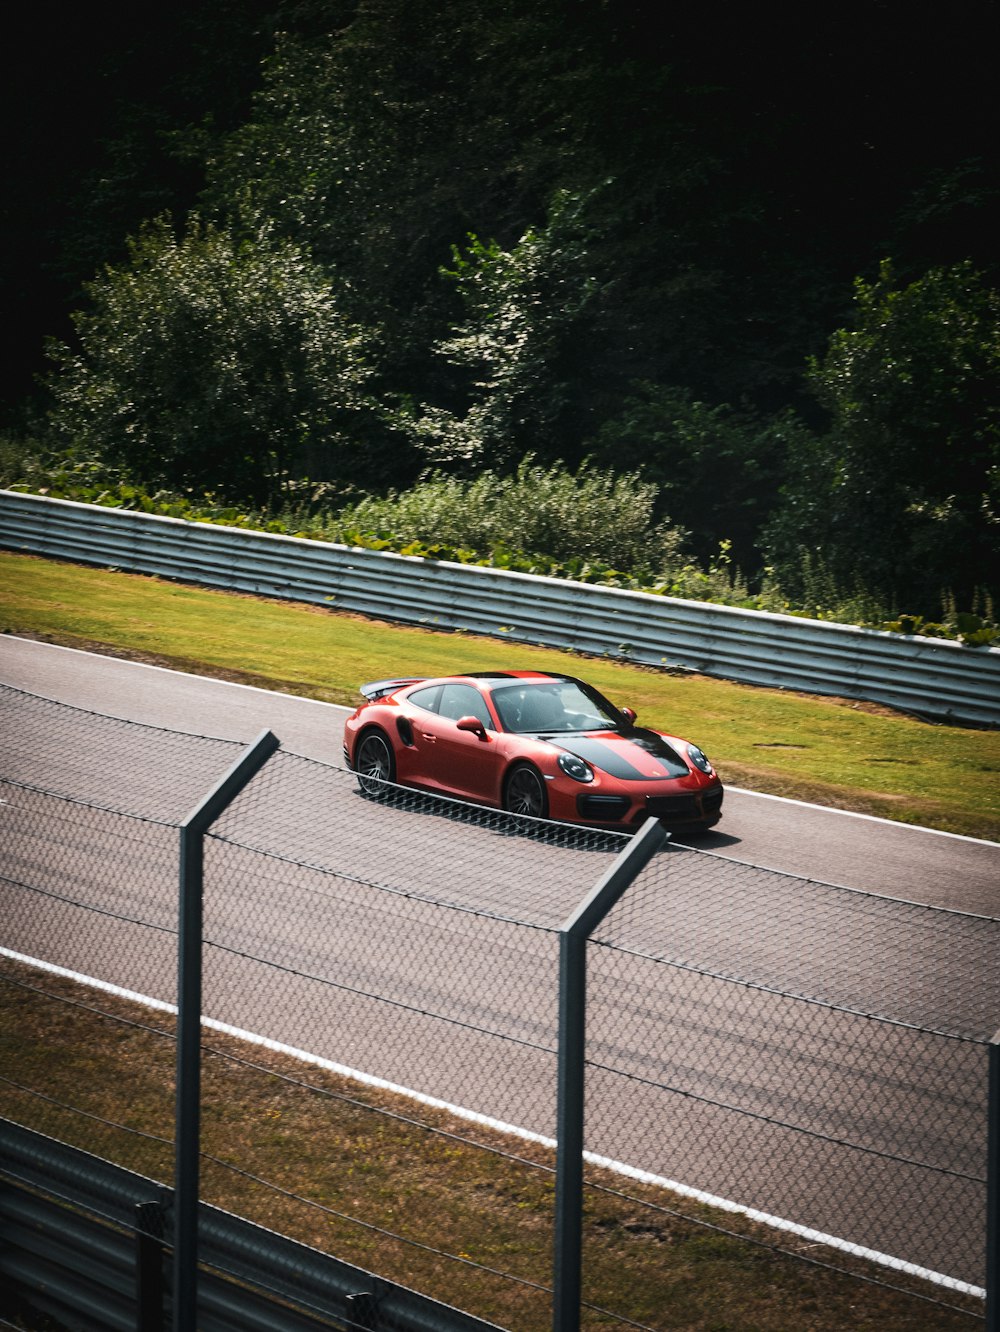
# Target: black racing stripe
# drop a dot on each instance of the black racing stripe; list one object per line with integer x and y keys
{"x": 506, "y": 675}
{"x": 654, "y": 744}
{"x": 613, "y": 758}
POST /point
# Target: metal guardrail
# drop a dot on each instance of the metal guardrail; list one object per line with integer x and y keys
{"x": 83, "y": 1241}
{"x": 930, "y": 677}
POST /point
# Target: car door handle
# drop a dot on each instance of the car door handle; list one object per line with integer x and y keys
{"x": 427, "y": 736}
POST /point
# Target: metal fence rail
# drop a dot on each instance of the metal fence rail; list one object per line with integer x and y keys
{"x": 926, "y": 676}
{"x": 84, "y": 1241}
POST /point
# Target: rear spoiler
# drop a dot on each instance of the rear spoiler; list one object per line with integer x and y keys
{"x": 379, "y": 688}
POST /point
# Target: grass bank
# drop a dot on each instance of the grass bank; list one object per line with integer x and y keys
{"x": 832, "y": 751}
{"x": 430, "y": 1201}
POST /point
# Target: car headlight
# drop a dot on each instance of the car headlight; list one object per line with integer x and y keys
{"x": 699, "y": 759}
{"x": 575, "y": 767}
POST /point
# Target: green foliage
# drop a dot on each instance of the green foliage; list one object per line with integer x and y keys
{"x": 576, "y": 518}
{"x": 976, "y": 628}
{"x": 525, "y": 318}
{"x": 74, "y": 473}
{"x": 717, "y": 467}
{"x": 572, "y": 532}
{"x": 903, "y": 493}
{"x": 381, "y": 140}
{"x": 456, "y": 235}
{"x": 617, "y": 234}
{"x": 16, "y": 457}
{"x": 214, "y": 362}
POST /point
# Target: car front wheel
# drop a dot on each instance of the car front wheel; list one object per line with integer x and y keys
{"x": 374, "y": 763}
{"x": 525, "y": 792}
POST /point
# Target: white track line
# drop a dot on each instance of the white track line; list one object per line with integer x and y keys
{"x": 853, "y": 814}
{"x": 618, "y": 1167}
{"x": 346, "y": 711}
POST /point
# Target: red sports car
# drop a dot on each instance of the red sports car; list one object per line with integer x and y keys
{"x": 533, "y": 743}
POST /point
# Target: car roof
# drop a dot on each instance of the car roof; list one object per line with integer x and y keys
{"x": 504, "y": 677}
{"x": 379, "y": 689}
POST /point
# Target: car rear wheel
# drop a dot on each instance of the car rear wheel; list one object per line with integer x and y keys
{"x": 374, "y": 763}
{"x": 525, "y": 793}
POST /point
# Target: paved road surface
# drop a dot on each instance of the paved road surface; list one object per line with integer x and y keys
{"x": 837, "y": 1075}
{"x": 873, "y": 854}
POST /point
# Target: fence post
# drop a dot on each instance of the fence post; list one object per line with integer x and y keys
{"x": 149, "y": 1266}
{"x": 993, "y": 1190}
{"x": 187, "y": 1128}
{"x": 567, "y": 1264}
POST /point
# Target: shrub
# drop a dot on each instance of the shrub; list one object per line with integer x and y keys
{"x": 590, "y": 515}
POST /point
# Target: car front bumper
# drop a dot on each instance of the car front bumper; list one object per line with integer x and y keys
{"x": 701, "y": 808}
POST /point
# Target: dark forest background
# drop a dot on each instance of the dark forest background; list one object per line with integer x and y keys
{"x": 740, "y": 265}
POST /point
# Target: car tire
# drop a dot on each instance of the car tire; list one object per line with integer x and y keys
{"x": 374, "y": 763}
{"x": 524, "y": 792}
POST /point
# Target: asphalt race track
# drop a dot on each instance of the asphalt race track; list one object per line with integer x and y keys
{"x": 858, "y": 852}
{"x": 510, "y": 968}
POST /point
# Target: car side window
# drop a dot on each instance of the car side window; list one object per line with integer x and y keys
{"x": 428, "y": 699}
{"x": 459, "y": 700}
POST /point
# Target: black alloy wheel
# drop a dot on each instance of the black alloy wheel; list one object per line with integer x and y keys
{"x": 525, "y": 792}
{"x": 374, "y": 764}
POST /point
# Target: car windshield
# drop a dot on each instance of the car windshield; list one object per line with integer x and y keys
{"x": 562, "y": 705}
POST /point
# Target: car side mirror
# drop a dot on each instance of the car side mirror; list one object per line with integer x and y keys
{"x": 629, "y": 715}
{"x": 472, "y": 724}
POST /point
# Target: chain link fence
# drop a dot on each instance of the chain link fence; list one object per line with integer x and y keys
{"x": 771, "y": 1062}
{"x": 812, "y": 1053}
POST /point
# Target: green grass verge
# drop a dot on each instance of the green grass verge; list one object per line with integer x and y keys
{"x": 432, "y": 1202}
{"x": 832, "y": 751}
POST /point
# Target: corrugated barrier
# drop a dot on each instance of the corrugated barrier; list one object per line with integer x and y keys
{"x": 930, "y": 677}
{"x": 85, "y": 1240}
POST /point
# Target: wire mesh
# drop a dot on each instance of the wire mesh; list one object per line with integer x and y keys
{"x": 417, "y": 844}
{"x": 427, "y": 963}
{"x": 109, "y": 763}
{"x": 89, "y": 890}
{"x": 808, "y": 1052}
{"x": 411, "y": 942}
{"x": 793, "y": 1048}
{"x": 302, "y": 947}
{"x": 902, "y": 961}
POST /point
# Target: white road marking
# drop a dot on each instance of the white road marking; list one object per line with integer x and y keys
{"x": 472, "y": 1116}
{"x": 853, "y": 814}
{"x": 346, "y": 711}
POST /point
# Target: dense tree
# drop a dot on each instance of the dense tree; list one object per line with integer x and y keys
{"x": 902, "y": 494}
{"x": 383, "y": 144}
{"x": 518, "y": 350}
{"x": 107, "y": 120}
{"x": 717, "y": 467}
{"x": 569, "y": 230}
{"x": 210, "y": 363}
